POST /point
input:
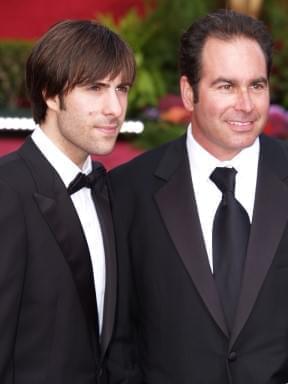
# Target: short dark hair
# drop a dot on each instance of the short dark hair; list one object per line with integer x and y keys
{"x": 225, "y": 25}
{"x": 74, "y": 52}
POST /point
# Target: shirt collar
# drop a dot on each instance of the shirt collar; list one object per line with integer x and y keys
{"x": 203, "y": 163}
{"x": 65, "y": 167}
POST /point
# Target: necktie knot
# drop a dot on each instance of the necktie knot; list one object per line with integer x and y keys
{"x": 224, "y": 179}
{"x": 94, "y": 179}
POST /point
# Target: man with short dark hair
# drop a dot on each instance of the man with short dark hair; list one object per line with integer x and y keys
{"x": 57, "y": 263}
{"x": 201, "y": 226}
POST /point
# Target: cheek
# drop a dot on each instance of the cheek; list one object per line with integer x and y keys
{"x": 263, "y": 105}
{"x": 213, "y": 111}
{"x": 214, "y": 106}
{"x": 84, "y": 112}
{"x": 86, "y": 104}
{"x": 123, "y": 101}
{"x": 77, "y": 110}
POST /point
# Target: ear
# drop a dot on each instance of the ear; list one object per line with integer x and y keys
{"x": 53, "y": 102}
{"x": 187, "y": 93}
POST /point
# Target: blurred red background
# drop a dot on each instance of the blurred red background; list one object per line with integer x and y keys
{"x": 29, "y": 19}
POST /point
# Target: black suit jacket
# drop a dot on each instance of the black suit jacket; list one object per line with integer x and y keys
{"x": 170, "y": 325}
{"x": 48, "y": 310}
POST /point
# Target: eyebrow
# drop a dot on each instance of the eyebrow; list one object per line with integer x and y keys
{"x": 100, "y": 84}
{"x": 261, "y": 79}
{"x": 222, "y": 80}
{"x": 125, "y": 84}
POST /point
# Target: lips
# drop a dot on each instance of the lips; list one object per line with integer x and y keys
{"x": 240, "y": 123}
{"x": 108, "y": 129}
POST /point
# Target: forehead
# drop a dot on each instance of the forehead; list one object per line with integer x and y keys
{"x": 235, "y": 58}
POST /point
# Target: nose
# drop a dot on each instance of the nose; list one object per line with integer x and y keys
{"x": 244, "y": 101}
{"x": 112, "y": 105}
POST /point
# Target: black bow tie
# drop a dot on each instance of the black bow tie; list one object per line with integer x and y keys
{"x": 95, "y": 180}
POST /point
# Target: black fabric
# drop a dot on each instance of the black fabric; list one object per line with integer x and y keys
{"x": 95, "y": 179}
{"x": 48, "y": 319}
{"x": 231, "y": 229}
{"x": 170, "y": 326}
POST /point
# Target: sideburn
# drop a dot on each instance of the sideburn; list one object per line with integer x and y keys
{"x": 61, "y": 102}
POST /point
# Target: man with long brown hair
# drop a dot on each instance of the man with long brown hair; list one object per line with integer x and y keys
{"x": 57, "y": 263}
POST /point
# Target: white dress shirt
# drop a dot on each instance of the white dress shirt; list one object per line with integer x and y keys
{"x": 85, "y": 208}
{"x": 207, "y": 195}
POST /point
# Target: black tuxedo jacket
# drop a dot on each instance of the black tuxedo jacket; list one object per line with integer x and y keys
{"x": 48, "y": 310}
{"x": 170, "y": 326}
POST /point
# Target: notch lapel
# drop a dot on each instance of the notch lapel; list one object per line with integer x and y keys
{"x": 269, "y": 219}
{"x": 178, "y": 209}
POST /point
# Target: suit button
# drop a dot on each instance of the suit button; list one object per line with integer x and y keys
{"x": 232, "y": 356}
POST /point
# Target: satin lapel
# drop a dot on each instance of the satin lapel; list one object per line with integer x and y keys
{"x": 59, "y": 213}
{"x": 66, "y": 228}
{"x": 177, "y": 206}
{"x": 269, "y": 219}
{"x": 104, "y": 213}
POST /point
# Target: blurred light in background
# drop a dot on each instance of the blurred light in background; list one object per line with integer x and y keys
{"x": 249, "y": 7}
{"x": 27, "y": 124}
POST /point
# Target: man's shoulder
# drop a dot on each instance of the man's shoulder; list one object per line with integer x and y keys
{"x": 148, "y": 161}
{"x": 9, "y": 162}
{"x": 274, "y": 146}
{"x": 14, "y": 170}
{"x": 13, "y": 177}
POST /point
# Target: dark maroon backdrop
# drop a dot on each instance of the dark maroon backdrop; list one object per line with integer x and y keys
{"x": 31, "y": 18}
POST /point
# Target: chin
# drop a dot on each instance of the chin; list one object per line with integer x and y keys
{"x": 243, "y": 141}
{"x": 104, "y": 147}
{"x": 240, "y": 146}
{"x": 104, "y": 151}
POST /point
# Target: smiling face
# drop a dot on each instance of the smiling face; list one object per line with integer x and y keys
{"x": 88, "y": 119}
{"x": 233, "y": 96}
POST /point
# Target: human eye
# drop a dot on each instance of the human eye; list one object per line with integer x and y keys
{"x": 225, "y": 87}
{"x": 98, "y": 86}
{"x": 124, "y": 88}
{"x": 95, "y": 87}
{"x": 259, "y": 85}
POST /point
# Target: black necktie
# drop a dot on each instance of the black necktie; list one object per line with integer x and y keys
{"x": 95, "y": 180}
{"x": 231, "y": 229}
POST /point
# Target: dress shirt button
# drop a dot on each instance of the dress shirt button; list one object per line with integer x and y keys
{"x": 232, "y": 356}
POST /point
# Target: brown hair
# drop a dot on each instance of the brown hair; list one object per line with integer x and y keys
{"x": 74, "y": 52}
{"x": 223, "y": 24}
